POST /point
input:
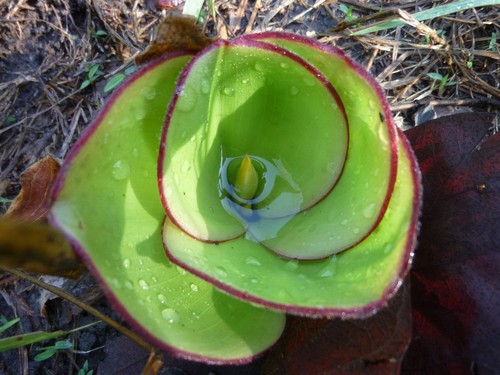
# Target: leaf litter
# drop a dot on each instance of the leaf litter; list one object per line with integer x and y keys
{"x": 48, "y": 48}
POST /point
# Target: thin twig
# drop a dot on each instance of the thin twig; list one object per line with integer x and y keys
{"x": 403, "y": 106}
{"x": 72, "y": 299}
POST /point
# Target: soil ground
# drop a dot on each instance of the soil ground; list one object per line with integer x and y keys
{"x": 49, "y": 49}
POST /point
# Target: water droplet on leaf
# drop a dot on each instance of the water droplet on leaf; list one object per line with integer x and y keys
{"x": 151, "y": 94}
{"x": 170, "y": 315}
{"x": 291, "y": 265}
{"x": 369, "y": 211}
{"x": 143, "y": 284}
{"x": 162, "y": 298}
{"x": 140, "y": 113}
{"x": 121, "y": 170}
{"x": 229, "y": 91}
{"x": 194, "y": 287}
{"x": 186, "y": 100}
{"x": 326, "y": 272}
{"x": 186, "y": 166}
{"x": 251, "y": 261}
{"x": 115, "y": 282}
{"x": 220, "y": 272}
{"x": 259, "y": 67}
{"x": 181, "y": 270}
{"x": 387, "y": 248}
{"x": 204, "y": 86}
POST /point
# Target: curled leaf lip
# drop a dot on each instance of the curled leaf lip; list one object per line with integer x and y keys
{"x": 406, "y": 243}
{"x": 250, "y": 43}
{"x": 387, "y": 116}
{"x": 90, "y": 130}
{"x": 87, "y": 258}
{"x": 402, "y": 262}
{"x": 362, "y": 311}
{"x": 137, "y": 326}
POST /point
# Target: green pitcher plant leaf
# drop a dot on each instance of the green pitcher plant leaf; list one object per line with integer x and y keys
{"x": 217, "y": 192}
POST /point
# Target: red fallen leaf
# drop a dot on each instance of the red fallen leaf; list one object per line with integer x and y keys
{"x": 33, "y": 201}
{"x": 454, "y": 280}
{"x": 369, "y": 346}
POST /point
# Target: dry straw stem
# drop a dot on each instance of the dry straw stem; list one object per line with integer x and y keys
{"x": 451, "y": 48}
{"x": 47, "y": 48}
{"x": 68, "y": 297}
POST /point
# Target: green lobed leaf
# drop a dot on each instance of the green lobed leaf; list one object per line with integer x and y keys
{"x": 231, "y": 105}
{"x": 107, "y": 201}
{"x": 354, "y": 282}
{"x": 357, "y": 203}
{"x": 338, "y": 285}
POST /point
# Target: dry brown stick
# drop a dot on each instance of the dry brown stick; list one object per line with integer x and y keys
{"x": 108, "y": 28}
{"x": 422, "y": 28}
{"x": 273, "y": 12}
{"x": 403, "y": 92}
{"x": 376, "y": 8}
{"x": 372, "y": 58}
{"x": 390, "y": 42}
{"x": 475, "y": 79}
{"x": 308, "y": 9}
{"x": 452, "y": 102}
{"x": 235, "y": 22}
{"x": 251, "y": 21}
{"x": 390, "y": 68}
{"x": 69, "y": 137}
{"x": 383, "y": 16}
{"x": 70, "y": 298}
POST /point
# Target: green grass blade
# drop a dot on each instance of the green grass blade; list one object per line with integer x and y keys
{"x": 192, "y": 7}
{"x": 13, "y": 342}
{"x": 114, "y": 81}
{"x": 9, "y": 324}
{"x": 428, "y": 14}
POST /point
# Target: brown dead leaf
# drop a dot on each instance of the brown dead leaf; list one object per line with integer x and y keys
{"x": 26, "y": 240}
{"x": 33, "y": 201}
{"x": 175, "y": 33}
{"x": 37, "y": 247}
